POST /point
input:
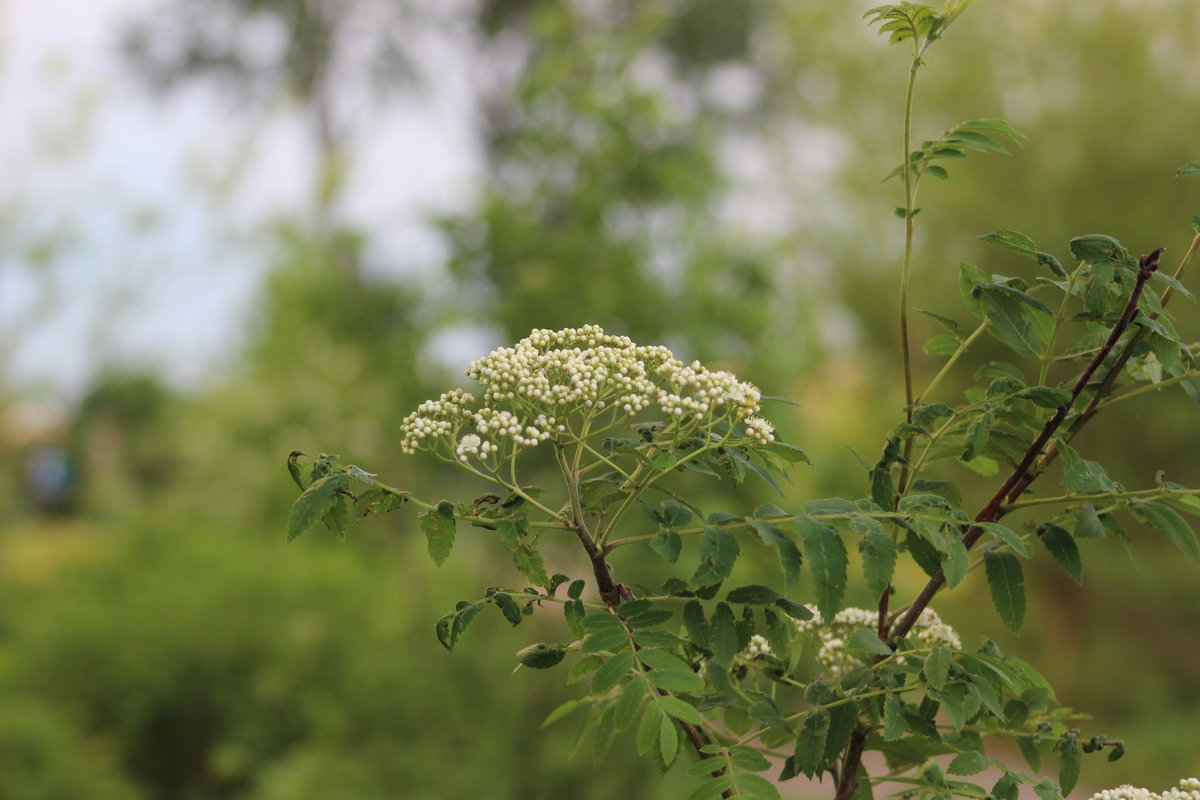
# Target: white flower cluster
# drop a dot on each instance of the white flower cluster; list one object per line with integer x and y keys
{"x": 758, "y": 646}
{"x": 532, "y": 388}
{"x": 832, "y": 636}
{"x": 435, "y": 419}
{"x": 1188, "y": 789}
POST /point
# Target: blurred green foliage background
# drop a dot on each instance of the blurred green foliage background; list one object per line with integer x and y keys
{"x": 700, "y": 173}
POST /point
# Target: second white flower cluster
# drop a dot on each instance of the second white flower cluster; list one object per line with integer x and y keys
{"x": 1187, "y": 789}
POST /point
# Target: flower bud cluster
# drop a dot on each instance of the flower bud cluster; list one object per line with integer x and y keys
{"x": 1188, "y": 789}
{"x": 758, "y": 646}
{"x": 530, "y": 391}
{"x": 435, "y": 419}
{"x": 832, "y": 636}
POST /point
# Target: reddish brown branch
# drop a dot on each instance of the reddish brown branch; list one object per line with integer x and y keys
{"x": 850, "y": 764}
{"x": 614, "y": 594}
{"x": 1020, "y": 479}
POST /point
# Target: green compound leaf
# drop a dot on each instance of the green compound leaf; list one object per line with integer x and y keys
{"x": 612, "y": 671}
{"x": 667, "y": 544}
{"x": 1061, "y": 545}
{"x": 977, "y": 436}
{"x": 713, "y": 787}
{"x": 1096, "y": 248}
{"x": 754, "y": 594}
{"x": 842, "y": 721}
{"x": 605, "y": 730}
{"x": 956, "y": 563}
{"x": 561, "y": 711}
{"x": 680, "y": 710}
{"x": 810, "y": 743}
{"x": 1069, "y": 764}
{"x": 924, "y": 553}
{"x": 668, "y": 739}
{"x": 669, "y": 672}
{"x": 454, "y": 624}
{"x": 866, "y": 641}
{"x": 1008, "y": 320}
{"x": 949, "y": 324}
{"x": 894, "y": 725}
{"x": 1189, "y": 170}
{"x": 1006, "y": 787}
{"x": 878, "y": 561}
{"x": 694, "y": 622}
{"x": 314, "y": 503}
{"x": 722, "y": 635}
{"x": 749, "y": 759}
{"x": 337, "y": 519}
{"x": 1030, "y": 752}
{"x": 294, "y": 469}
{"x": 1175, "y": 285}
{"x": 1087, "y": 477}
{"x": 605, "y": 640}
{"x": 628, "y": 704}
{"x": 1006, "y": 535}
{"x": 574, "y": 613}
{"x": 1007, "y": 582}
{"x": 647, "y": 733}
{"x": 794, "y": 609}
{"x": 1168, "y": 520}
{"x": 755, "y": 787}
{"x": 789, "y": 553}
{"x": 969, "y": 277}
{"x": 827, "y": 561}
{"x": 380, "y": 500}
{"x": 529, "y": 563}
{"x": 718, "y": 552}
{"x": 779, "y": 634}
{"x": 937, "y": 667}
{"x": 1046, "y": 790}
{"x": 1012, "y": 240}
{"x": 788, "y": 452}
{"x": 508, "y": 607}
{"x": 439, "y": 526}
{"x": 1045, "y": 396}
{"x": 765, "y": 712}
{"x": 969, "y": 763}
{"x": 675, "y": 514}
{"x": 1048, "y": 260}
{"x": 541, "y": 655}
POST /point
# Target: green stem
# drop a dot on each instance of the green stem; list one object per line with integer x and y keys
{"x": 572, "y": 481}
{"x": 910, "y": 190}
{"x": 492, "y": 477}
{"x": 1058, "y": 321}
{"x": 1181, "y": 269}
{"x": 1149, "y": 387}
{"x": 945, "y": 370}
{"x": 1089, "y": 498}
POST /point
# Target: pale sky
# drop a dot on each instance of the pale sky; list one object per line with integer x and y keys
{"x": 141, "y": 265}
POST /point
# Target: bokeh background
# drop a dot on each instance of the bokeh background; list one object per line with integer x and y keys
{"x": 233, "y": 228}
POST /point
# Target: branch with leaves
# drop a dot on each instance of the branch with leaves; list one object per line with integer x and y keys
{"x": 740, "y": 672}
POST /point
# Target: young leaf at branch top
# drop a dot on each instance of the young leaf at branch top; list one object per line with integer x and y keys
{"x": 315, "y": 502}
